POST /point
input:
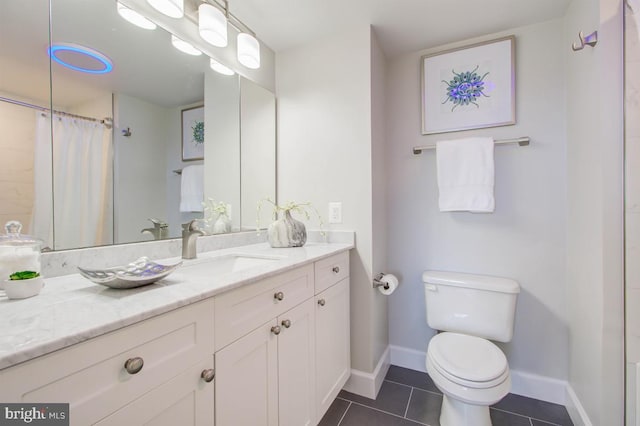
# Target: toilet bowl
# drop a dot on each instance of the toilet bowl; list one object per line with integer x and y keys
{"x": 469, "y": 369}
{"x": 472, "y": 373}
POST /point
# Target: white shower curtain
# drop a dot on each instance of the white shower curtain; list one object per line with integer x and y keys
{"x": 82, "y": 183}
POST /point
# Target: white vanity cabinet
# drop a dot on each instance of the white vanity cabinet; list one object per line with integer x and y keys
{"x": 332, "y": 335}
{"x": 266, "y": 376}
{"x": 279, "y": 358}
{"x": 157, "y": 362}
{"x": 287, "y": 370}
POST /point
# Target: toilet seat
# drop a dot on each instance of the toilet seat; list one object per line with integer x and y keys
{"x": 468, "y": 360}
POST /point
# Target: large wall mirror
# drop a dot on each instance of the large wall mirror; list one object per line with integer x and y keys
{"x": 122, "y": 158}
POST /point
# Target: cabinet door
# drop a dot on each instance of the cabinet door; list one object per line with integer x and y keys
{"x": 247, "y": 380}
{"x": 333, "y": 355}
{"x": 296, "y": 366}
{"x": 184, "y": 400}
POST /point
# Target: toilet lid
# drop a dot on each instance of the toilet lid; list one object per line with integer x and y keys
{"x": 468, "y": 360}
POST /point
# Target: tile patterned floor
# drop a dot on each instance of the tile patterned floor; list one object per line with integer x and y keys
{"x": 409, "y": 397}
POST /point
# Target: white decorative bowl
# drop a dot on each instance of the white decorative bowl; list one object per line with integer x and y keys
{"x": 21, "y": 289}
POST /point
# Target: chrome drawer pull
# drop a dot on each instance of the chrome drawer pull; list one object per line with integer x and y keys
{"x": 208, "y": 375}
{"x": 275, "y": 330}
{"x": 321, "y": 302}
{"x": 279, "y": 296}
{"x": 134, "y": 365}
{"x": 286, "y": 323}
{"x": 336, "y": 269}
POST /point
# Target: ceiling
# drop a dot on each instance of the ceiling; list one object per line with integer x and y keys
{"x": 400, "y": 25}
{"x": 147, "y": 67}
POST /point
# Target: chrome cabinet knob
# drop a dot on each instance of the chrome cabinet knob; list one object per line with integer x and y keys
{"x": 321, "y": 302}
{"x": 275, "y": 329}
{"x": 134, "y": 365}
{"x": 286, "y": 323}
{"x": 336, "y": 269}
{"x": 208, "y": 375}
{"x": 279, "y": 296}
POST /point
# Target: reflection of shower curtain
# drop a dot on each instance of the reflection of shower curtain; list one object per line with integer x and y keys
{"x": 82, "y": 183}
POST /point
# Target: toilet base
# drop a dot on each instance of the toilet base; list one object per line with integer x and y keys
{"x": 457, "y": 413}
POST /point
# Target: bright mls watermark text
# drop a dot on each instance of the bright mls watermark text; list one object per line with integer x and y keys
{"x": 36, "y": 414}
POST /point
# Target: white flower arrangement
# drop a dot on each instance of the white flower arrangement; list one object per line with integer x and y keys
{"x": 213, "y": 210}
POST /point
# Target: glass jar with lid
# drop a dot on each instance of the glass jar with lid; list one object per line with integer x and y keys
{"x": 18, "y": 252}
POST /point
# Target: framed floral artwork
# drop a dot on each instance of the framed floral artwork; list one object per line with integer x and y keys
{"x": 470, "y": 87}
{"x": 193, "y": 133}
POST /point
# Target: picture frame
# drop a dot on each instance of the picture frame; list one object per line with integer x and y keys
{"x": 470, "y": 87}
{"x": 193, "y": 133}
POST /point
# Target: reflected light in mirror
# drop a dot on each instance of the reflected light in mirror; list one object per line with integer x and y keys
{"x": 218, "y": 67}
{"x": 80, "y": 58}
{"x": 248, "y": 51}
{"x": 171, "y": 8}
{"x": 134, "y": 17}
{"x": 184, "y": 47}
{"x": 212, "y": 25}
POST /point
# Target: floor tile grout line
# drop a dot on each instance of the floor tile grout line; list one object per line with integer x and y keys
{"x": 523, "y": 415}
{"x": 344, "y": 414}
{"x": 386, "y": 412}
{"x": 408, "y": 402}
{"x": 416, "y": 387}
{"x": 398, "y": 383}
{"x": 530, "y": 422}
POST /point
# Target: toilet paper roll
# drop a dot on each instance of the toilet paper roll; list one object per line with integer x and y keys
{"x": 391, "y": 283}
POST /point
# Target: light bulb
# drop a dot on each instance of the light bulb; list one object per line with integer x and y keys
{"x": 134, "y": 17}
{"x": 248, "y": 51}
{"x": 218, "y": 67}
{"x": 171, "y": 8}
{"x": 212, "y": 25}
{"x": 185, "y": 47}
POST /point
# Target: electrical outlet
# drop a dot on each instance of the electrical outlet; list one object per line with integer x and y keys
{"x": 335, "y": 212}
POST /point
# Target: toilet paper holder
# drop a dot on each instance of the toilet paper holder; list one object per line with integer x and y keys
{"x": 377, "y": 283}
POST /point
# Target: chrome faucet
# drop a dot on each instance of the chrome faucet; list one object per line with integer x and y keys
{"x": 190, "y": 233}
{"x": 159, "y": 231}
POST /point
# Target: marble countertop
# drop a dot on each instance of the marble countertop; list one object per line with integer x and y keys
{"x": 71, "y": 309}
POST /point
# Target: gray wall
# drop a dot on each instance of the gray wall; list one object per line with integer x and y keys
{"x": 523, "y": 239}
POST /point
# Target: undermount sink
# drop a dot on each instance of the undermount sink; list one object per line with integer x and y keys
{"x": 227, "y": 264}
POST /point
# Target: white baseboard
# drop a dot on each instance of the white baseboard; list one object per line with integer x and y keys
{"x": 369, "y": 384}
{"x": 525, "y": 384}
{"x": 576, "y": 411}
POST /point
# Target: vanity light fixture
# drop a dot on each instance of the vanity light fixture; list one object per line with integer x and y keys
{"x": 212, "y": 25}
{"x": 184, "y": 47}
{"x": 248, "y": 51}
{"x": 80, "y": 58}
{"x": 171, "y": 8}
{"x": 134, "y": 17}
{"x": 218, "y": 67}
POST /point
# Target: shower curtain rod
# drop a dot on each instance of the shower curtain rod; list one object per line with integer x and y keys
{"x": 107, "y": 121}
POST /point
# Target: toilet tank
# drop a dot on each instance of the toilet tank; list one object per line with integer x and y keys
{"x": 478, "y": 305}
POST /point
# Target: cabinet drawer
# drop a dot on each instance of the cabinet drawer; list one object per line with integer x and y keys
{"x": 91, "y": 376}
{"x": 331, "y": 270}
{"x": 242, "y": 310}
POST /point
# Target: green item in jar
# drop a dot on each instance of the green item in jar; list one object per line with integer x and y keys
{"x": 23, "y": 275}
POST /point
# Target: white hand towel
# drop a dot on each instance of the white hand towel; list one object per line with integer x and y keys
{"x": 192, "y": 189}
{"x": 466, "y": 175}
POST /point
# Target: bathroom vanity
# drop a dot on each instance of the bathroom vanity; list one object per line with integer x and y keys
{"x": 264, "y": 343}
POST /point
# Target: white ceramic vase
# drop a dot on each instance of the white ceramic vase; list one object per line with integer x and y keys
{"x": 287, "y": 232}
{"x": 222, "y": 225}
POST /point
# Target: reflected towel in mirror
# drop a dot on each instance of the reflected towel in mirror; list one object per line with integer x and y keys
{"x": 192, "y": 189}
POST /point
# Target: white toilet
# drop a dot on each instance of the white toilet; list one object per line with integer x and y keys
{"x": 471, "y": 371}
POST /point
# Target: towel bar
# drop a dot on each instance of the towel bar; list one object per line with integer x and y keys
{"x": 523, "y": 141}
